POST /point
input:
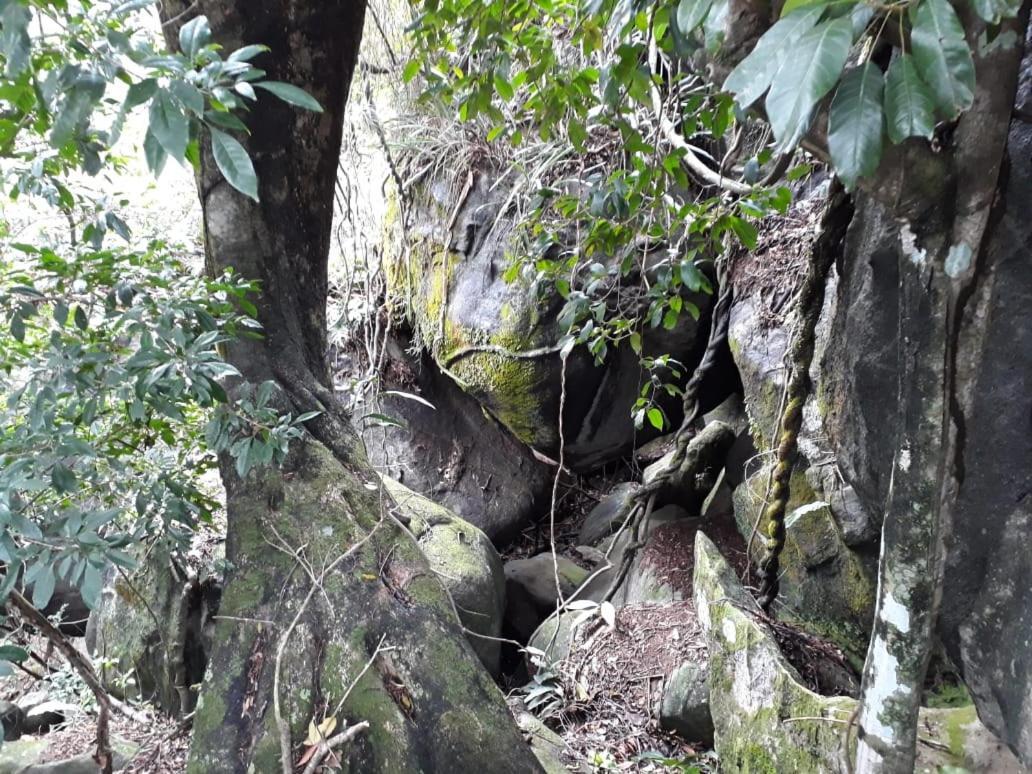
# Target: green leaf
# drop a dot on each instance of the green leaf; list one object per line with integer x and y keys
{"x": 234, "y": 163}
{"x": 411, "y": 70}
{"x": 43, "y": 588}
{"x": 13, "y": 653}
{"x": 291, "y": 94}
{"x": 655, "y": 418}
{"x": 855, "y": 124}
{"x": 63, "y": 478}
{"x": 169, "y": 125}
{"x": 15, "y": 42}
{"x": 154, "y": 153}
{"x": 805, "y": 77}
{"x": 194, "y": 35}
{"x": 247, "y": 53}
{"x": 995, "y": 11}
{"x": 503, "y": 87}
{"x": 795, "y": 5}
{"x": 909, "y": 109}
{"x": 690, "y": 14}
{"x": 754, "y": 74}
{"x": 942, "y": 56}
{"x": 187, "y": 94}
{"x": 18, "y": 327}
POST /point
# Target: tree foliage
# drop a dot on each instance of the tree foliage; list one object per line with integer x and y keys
{"x": 111, "y": 372}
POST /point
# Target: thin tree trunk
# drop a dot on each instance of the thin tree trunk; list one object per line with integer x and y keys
{"x": 942, "y": 275}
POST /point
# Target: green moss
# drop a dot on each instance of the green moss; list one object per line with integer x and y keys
{"x": 956, "y": 722}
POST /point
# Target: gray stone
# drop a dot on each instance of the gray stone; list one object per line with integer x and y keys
{"x": 164, "y": 610}
{"x": 454, "y": 453}
{"x": 17, "y": 755}
{"x": 12, "y": 717}
{"x": 530, "y": 590}
{"x": 754, "y": 692}
{"x": 825, "y": 586}
{"x": 606, "y": 517}
{"x": 546, "y": 743}
{"x": 684, "y": 707}
{"x": 698, "y": 472}
{"x": 41, "y": 717}
{"x": 457, "y": 297}
{"x": 466, "y": 563}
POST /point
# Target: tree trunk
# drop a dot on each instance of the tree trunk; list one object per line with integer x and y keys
{"x": 943, "y": 203}
{"x": 329, "y": 609}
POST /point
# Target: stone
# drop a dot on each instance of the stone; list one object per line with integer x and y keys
{"x": 452, "y": 288}
{"x": 766, "y": 720}
{"x": 16, "y": 756}
{"x": 684, "y": 707}
{"x": 153, "y": 629}
{"x": 605, "y": 518}
{"x": 698, "y": 472}
{"x": 453, "y": 453}
{"x": 12, "y": 717}
{"x": 466, "y": 563}
{"x": 546, "y": 743}
{"x": 825, "y": 586}
{"x": 41, "y": 717}
{"x": 530, "y": 590}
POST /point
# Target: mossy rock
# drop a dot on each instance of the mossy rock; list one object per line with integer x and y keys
{"x": 765, "y": 720}
{"x": 825, "y": 585}
{"x": 498, "y": 339}
{"x": 467, "y": 564}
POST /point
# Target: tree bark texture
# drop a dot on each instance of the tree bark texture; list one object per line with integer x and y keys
{"x": 943, "y": 206}
{"x": 330, "y": 609}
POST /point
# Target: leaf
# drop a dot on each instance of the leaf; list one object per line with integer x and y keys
{"x": 291, "y": 95}
{"x": 247, "y": 53}
{"x": 15, "y": 42}
{"x": 942, "y": 56}
{"x": 809, "y": 73}
{"x": 411, "y": 70}
{"x": 194, "y": 35}
{"x": 63, "y": 478}
{"x": 754, "y": 74}
{"x": 690, "y": 14}
{"x": 608, "y": 613}
{"x": 795, "y": 5}
{"x": 909, "y": 109}
{"x": 234, "y": 163}
{"x": 43, "y": 588}
{"x": 582, "y": 604}
{"x": 154, "y": 153}
{"x": 92, "y": 584}
{"x": 503, "y": 87}
{"x": 13, "y": 653}
{"x": 655, "y": 418}
{"x": 382, "y": 420}
{"x": 410, "y": 396}
{"x": 169, "y": 125}
{"x": 855, "y": 124}
{"x": 188, "y": 94}
{"x": 994, "y": 11}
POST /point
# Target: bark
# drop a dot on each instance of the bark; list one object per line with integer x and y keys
{"x": 329, "y": 609}
{"x": 944, "y": 205}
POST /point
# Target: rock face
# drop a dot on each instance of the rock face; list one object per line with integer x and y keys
{"x": 497, "y": 339}
{"x": 454, "y": 453}
{"x": 530, "y": 589}
{"x": 467, "y": 564}
{"x": 685, "y": 706}
{"x": 830, "y": 558}
{"x": 765, "y": 720}
{"x": 156, "y": 626}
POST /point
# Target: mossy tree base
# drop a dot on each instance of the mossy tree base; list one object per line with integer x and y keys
{"x": 429, "y": 703}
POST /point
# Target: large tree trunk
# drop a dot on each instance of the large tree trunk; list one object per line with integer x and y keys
{"x": 943, "y": 203}
{"x": 330, "y": 609}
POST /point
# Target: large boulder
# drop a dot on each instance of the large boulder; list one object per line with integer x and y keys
{"x": 467, "y": 564}
{"x": 765, "y": 719}
{"x": 497, "y": 338}
{"x": 450, "y": 451}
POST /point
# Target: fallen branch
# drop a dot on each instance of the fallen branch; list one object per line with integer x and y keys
{"x": 323, "y": 748}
